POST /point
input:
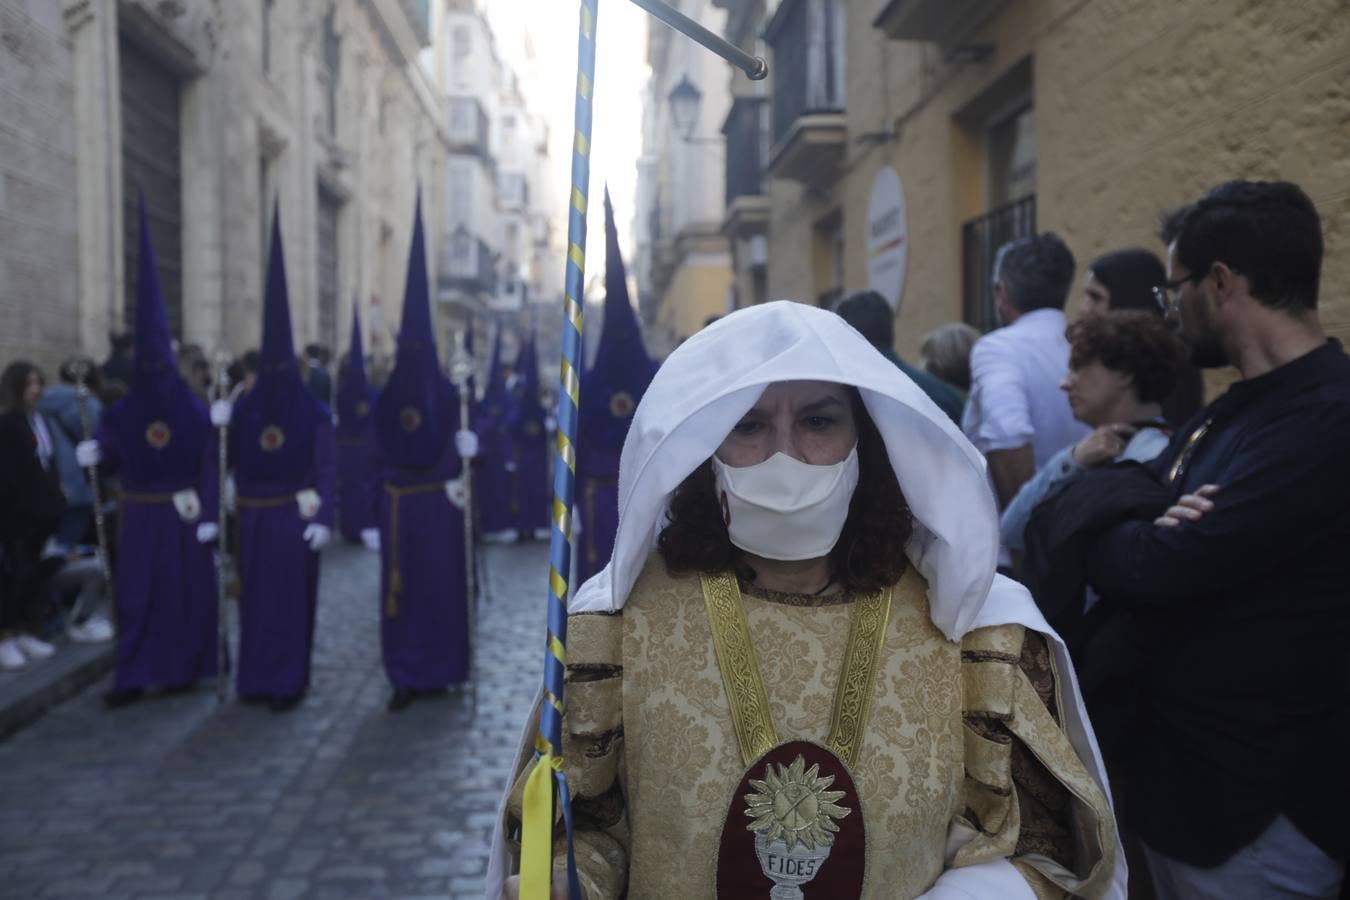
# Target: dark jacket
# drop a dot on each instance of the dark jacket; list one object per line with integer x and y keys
{"x": 31, "y": 504}
{"x": 1245, "y": 694}
{"x": 1107, "y": 643}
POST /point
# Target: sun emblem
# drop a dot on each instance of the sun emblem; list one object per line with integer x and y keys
{"x": 621, "y": 404}
{"x": 532, "y": 429}
{"x": 272, "y": 438}
{"x": 794, "y": 805}
{"x": 362, "y": 409}
{"x": 158, "y": 434}
{"x": 410, "y": 418}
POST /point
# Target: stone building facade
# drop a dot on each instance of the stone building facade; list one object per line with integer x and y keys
{"x": 216, "y": 110}
{"x": 1087, "y": 118}
{"x": 683, "y": 262}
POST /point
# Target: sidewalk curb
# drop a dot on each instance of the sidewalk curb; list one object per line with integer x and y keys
{"x": 27, "y": 695}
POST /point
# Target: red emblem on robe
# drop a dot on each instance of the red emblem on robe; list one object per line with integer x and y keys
{"x": 410, "y": 418}
{"x": 621, "y": 405}
{"x": 799, "y": 796}
{"x": 158, "y": 435}
{"x": 272, "y": 438}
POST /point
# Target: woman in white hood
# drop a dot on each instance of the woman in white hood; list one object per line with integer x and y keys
{"x": 799, "y": 673}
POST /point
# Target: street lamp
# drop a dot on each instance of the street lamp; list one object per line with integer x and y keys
{"x": 685, "y": 99}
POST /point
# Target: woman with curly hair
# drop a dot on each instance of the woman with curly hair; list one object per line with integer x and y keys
{"x": 1122, "y": 367}
{"x": 799, "y": 670}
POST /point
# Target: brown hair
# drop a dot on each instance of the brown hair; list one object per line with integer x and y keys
{"x": 1139, "y": 344}
{"x": 870, "y": 552}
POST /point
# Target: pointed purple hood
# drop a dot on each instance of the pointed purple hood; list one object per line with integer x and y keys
{"x": 355, "y": 396}
{"x": 160, "y": 426}
{"x": 418, "y": 408}
{"x": 272, "y": 432}
{"x": 613, "y": 386}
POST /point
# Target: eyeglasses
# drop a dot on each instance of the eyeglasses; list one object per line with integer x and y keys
{"x": 1168, "y": 296}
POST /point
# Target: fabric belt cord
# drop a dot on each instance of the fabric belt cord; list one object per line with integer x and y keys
{"x": 138, "y": 497}
{"x": 395, "y": 573}
{"x": 264, "y": 502}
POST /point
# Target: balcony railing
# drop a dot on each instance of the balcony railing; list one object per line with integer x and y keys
{"x": 747, "y": 134}
{"x": 980, "y": 240}
{"x": 467, "y": 123}
{"x": 807, "y": 37}
{"x": 467, "y": 264}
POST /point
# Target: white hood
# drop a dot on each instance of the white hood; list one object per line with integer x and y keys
{"x": 715, "y": 377}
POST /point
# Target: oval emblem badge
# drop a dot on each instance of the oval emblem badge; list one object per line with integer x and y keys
{"x": 410, "y": 418}
{"x": 272, "y": 438}
{"x": 362, "y": 409}
{"x": 621, "y": 405}
{"x": 795, "y": 820}
{"x": 158, "y": 435}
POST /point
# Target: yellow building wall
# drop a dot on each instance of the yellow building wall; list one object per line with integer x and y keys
{"x": 696, "y": 291}
{"x": 1140, "y": 105}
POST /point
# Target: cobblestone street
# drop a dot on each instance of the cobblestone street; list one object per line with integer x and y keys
{"x": 177, "y": 797}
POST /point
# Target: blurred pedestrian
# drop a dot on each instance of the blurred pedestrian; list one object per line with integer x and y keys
{"x": 358, "y": 477}
{"x": 872, "y": 316}
{"x": 422, "y": 450}
{"x": 1125, "y": 280}
{"x": 318, "y": 378}
{"x": 159, "y": 442}
{"x": 1016, "y": 414}
{"x": 118, "y": 366}
{"x": 526, "y": 426}
{"x": 1239, "y": 586}
{"x": 946, "y": 353}
{"x": 61, "y": 404}
{"x": 1121, "y": 366}
{"x": 283, "y": 454}
{"x": 31, "y": 504}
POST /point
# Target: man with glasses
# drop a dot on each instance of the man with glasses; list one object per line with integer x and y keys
{"x": 1234, "y": 777}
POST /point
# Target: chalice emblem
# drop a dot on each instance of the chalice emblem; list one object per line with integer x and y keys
{"x": 793, "y": 813}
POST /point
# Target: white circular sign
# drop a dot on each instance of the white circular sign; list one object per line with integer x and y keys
{"x": 887, "y": 237}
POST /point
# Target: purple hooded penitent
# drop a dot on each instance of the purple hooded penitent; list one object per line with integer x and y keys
{"x": 282, "y": 446}
{"x": 358, "y": 480}
{"x": 423, "y": 614}
{"x": 159, "y": 439}
{"x": 492, "y": 476}
{"x": 529, "y": 487}
{"x": 610, "y": 391}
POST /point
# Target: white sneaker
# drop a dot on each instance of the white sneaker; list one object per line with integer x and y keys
{"x": 11, "y": 657}
{"x": 32, "y": 647}
{"x": 94, "y": 630}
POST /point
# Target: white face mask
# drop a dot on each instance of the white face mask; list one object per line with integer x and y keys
{"x": 784, "y": 508}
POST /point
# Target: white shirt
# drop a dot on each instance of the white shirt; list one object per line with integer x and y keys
{"x": 1015, "y": 398}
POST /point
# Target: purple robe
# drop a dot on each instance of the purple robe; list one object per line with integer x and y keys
{"x": 424, "y": 625}
{"x": 166, "y": 594}
{"x": 597, "y": 500}
{"x": 530, "y": 492}
{"x": 279, "y": 575}
{"x": 358, "y": 482}
{"x": 493, "y": 483}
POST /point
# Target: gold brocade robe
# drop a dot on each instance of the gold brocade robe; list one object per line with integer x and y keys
{"x": 962, "y": 761}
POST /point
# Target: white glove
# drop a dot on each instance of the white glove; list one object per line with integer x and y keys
{"x": 221, "y": 411}
{"x": 466, "y": 442}
{"x": 511, "y": 465}
{"x": 309, "y": 502}
{"x": 207, "y": 532}
{"x": 371, "y": 538}
{"x": 317, "y": 536}
{"x": 88, "y": 454}
{"x": 454, "y": 490}
{"x": 550, "y": 423}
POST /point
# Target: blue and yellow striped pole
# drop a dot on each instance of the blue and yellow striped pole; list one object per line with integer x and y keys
{"x": 547, "y": 782}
